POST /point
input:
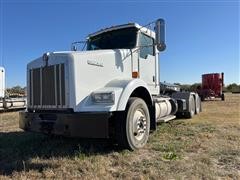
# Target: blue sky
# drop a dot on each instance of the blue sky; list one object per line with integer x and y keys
{"x": 202, "y": 36}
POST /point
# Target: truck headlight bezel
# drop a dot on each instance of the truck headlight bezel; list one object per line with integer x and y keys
{"x": 103, "y": 97}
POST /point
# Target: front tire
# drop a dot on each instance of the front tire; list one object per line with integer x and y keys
{"x": 133, "y": 125}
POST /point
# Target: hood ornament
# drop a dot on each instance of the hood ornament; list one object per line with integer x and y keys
{"x": 45, "y": 58}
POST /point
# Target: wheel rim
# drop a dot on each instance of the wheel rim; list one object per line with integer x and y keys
{"x": 192, "y": 107}
{"x": 139, "y": 124}
{"x": 198, "y": 104}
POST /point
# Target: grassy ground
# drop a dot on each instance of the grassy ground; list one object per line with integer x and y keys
{"x": 205, "y": 147}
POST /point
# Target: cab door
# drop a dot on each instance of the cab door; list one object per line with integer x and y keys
{"x": 147, "y": 61}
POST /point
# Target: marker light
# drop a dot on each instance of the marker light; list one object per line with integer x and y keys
{"x": 135, "y": 74}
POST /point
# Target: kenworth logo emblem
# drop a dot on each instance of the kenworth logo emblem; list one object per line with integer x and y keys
{"x": 95, "y": 63}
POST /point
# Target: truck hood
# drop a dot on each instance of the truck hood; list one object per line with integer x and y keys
{"x": 84, "y": 72}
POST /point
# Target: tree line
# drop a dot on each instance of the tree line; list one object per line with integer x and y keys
{"x": 193, "y": 87}
{"x": 185, "y": 87}
{"x": 16, "y": 91}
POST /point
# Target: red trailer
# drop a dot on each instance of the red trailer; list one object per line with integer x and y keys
{"x": 212, "y": 86}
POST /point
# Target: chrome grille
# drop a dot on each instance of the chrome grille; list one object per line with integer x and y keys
{"x": 47, "y": 86}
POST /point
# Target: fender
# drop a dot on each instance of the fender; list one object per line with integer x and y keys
{"x": 122, "y": 88}
{"x": 128, "y": 86}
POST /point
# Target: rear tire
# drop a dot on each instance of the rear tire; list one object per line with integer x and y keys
{"x": 223, "y": 97}
{"x": 133, "y": 125}
{"x": 191, "y": 108}
{"x": 198, "y": 105}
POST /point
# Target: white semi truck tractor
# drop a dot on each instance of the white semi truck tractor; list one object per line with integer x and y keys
{"x": 8, "y": 103}
{"x": 2, "y": 82}
{"x": 109, "y": 90}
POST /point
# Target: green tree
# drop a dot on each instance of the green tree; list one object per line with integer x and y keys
{"x": 15, "y": 91}
{"x": 233, "y": 87}
{"x": 195, "y": 86}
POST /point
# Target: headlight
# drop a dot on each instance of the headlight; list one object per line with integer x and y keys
{"x": 105, "y": 97}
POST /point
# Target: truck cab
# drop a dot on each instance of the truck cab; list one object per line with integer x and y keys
{"x": 109, "y": 90}
{"x": 131, "y": 37}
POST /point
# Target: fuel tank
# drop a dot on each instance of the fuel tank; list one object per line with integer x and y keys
{"x": 165, "y": 107}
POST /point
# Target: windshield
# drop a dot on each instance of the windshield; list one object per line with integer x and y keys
{"x": 116, "y": 39}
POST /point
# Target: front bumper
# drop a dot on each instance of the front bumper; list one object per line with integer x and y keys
{"x": 86, "y": 125}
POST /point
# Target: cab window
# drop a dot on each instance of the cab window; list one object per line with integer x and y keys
{"x": 146, "y": 46}
{"x": 117, "y": 39}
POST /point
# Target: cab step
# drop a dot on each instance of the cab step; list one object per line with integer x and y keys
{"x": 166, "y": 118}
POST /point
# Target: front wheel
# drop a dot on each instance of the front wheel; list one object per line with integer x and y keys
{"x": 133, "y": 125}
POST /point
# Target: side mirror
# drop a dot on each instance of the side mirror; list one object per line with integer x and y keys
{"x": 160, "y": 34}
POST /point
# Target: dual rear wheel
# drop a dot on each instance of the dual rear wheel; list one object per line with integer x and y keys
{"x": 194, "y": 106}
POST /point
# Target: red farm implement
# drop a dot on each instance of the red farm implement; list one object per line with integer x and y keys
{"x": 212, "y": 86}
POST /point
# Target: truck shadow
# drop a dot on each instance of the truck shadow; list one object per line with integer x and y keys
{"x": 18, "y": 149}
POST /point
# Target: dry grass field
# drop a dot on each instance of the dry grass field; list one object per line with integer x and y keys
{"x": 205, "y": 147}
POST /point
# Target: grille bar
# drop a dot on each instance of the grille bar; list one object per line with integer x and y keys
{"x": 41, "y": 86}
{"x": 31, "y": 87}
{"x": 47, "y": 87}
{"x": 55, "y": 85}
{"x": 60, "y": 84}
